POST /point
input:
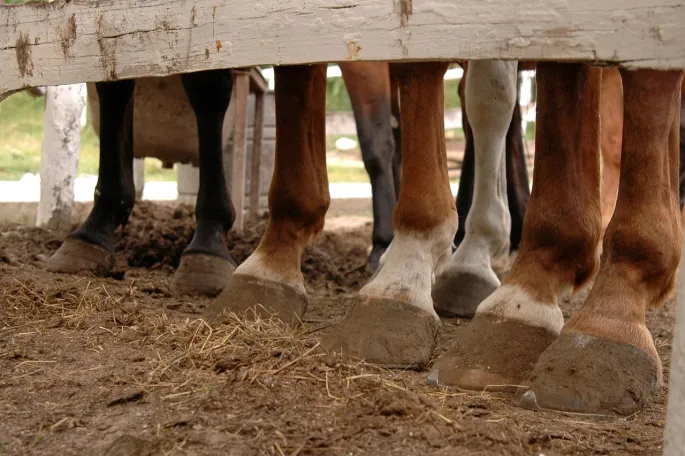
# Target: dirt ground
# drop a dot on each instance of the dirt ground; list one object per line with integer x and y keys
{"x": 118, "y": 366}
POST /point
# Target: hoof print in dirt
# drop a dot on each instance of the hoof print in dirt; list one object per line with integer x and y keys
{"x": 458, "y": 295}
{"x": 76, "y": 256}
{"x": 490, "y": 353}
{"x": 389, "y": 333}
{"x": 252, "y": 297}
{"x": 586, "y": 374}
{"x": 200, "y": 274}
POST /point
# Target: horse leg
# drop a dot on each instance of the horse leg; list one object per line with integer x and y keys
{"x": 611, "y": 124}
{"x": 467, "y": 175}
{"x": 392, "y": 321}
{"x": 682, "y": 152}
{"x": 206, "y": 265}
{"x": 270, "y": 280}
{"x": 605, "y": 360}
{"x": 469, "y": 278}
{"x": 396, "y": 132}
{"x": 518, "y": 187}
{"x": 368, "y": 84}
{"x": 91, "y": 247}
{"x": 557, "y": 255}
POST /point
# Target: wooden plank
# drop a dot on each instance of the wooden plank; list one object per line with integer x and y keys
{"x": 70, "y": 41}
{"x": 674, "y": 435}
{"x": 256, "y": 155}
{"x": 241, "y": 86}
{"x": 257, "y": 81}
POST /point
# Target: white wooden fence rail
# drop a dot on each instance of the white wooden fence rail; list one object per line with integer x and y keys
{"x": 70, "y": 41}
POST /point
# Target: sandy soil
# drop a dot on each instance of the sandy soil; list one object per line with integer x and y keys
{"x": 118, "y": 366}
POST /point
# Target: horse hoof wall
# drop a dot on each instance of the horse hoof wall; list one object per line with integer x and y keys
{"x": 458, "y": 295}
{"x": 386, "y": 332}
{"x": 258, "y": 298}
{"x": 580, "y": 373}
{"x": 200, "y": 274}
{"x": 484, "y": 356}
{"x": 76, "y": 256}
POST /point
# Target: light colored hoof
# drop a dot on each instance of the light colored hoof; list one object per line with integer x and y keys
{"x": 200, "y": 274}
{"x": 76, "y": 256}
{"x": 254, "y": 297}
{"x": 458, "y": 295}
{"x": 586, "y": 374}
{"x": 386, "y": 332}
{"x": 490, "y": 353}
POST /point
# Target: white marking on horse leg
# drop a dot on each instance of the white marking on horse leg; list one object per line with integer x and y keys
{"x": 256, "y": 265}
{"x": 409, "y": 265}
{"x": 510, "y": 302}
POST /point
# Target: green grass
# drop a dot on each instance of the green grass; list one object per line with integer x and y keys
{"x": 21, "y": 121}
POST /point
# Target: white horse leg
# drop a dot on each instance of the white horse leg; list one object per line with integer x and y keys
{"x": 469, "y": 278}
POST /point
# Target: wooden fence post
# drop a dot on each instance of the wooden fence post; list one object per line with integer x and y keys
{"x": 59, "y": 155}
{"x": 674, "y": 435}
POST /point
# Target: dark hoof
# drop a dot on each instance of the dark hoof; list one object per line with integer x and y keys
{"x": 76, "y": 256}
{"x": 459, "y": 294}
{"x": 201, "y": 274}
{"x": 254, "y": 297}
{"x": 375, "y": 256}
{"x": 586, "y": 374}
{"x": 491, "y": 354}
{"x": 390, "y": 333}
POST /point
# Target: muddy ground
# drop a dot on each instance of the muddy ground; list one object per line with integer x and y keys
{"x": 118, "y": 366}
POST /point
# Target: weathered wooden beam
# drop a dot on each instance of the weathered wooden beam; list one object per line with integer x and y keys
{"x": 70, "y": 41}
{"x": 241, "y": 86}
{"x": 674, "y": 435}
{"x": 256, "y": 168}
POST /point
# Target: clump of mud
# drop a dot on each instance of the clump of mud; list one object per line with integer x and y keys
{"x": 157, "y": 234}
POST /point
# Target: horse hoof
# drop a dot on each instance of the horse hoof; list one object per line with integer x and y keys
{"x": 201, "y": 274}
{"x": 490, "y": 353}
{"x": 76, "y": 256}
{"x": 587, "y": 374}
{"x": 386, "y": 332}
{"x": 254, "y": 297}
{"x": 458, "y": 294}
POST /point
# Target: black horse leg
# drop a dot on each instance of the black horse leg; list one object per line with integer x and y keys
{"x": 91, "y": 247}
{"x": 206, "y": 265}
{"x": 397, "y": 133}
{"x": 518, "y": 187}
{"x": 468, "y": 170}
{"x": 368, "y": 84}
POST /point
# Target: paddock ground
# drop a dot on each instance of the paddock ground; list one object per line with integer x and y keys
{"x": 119, "y": 366}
